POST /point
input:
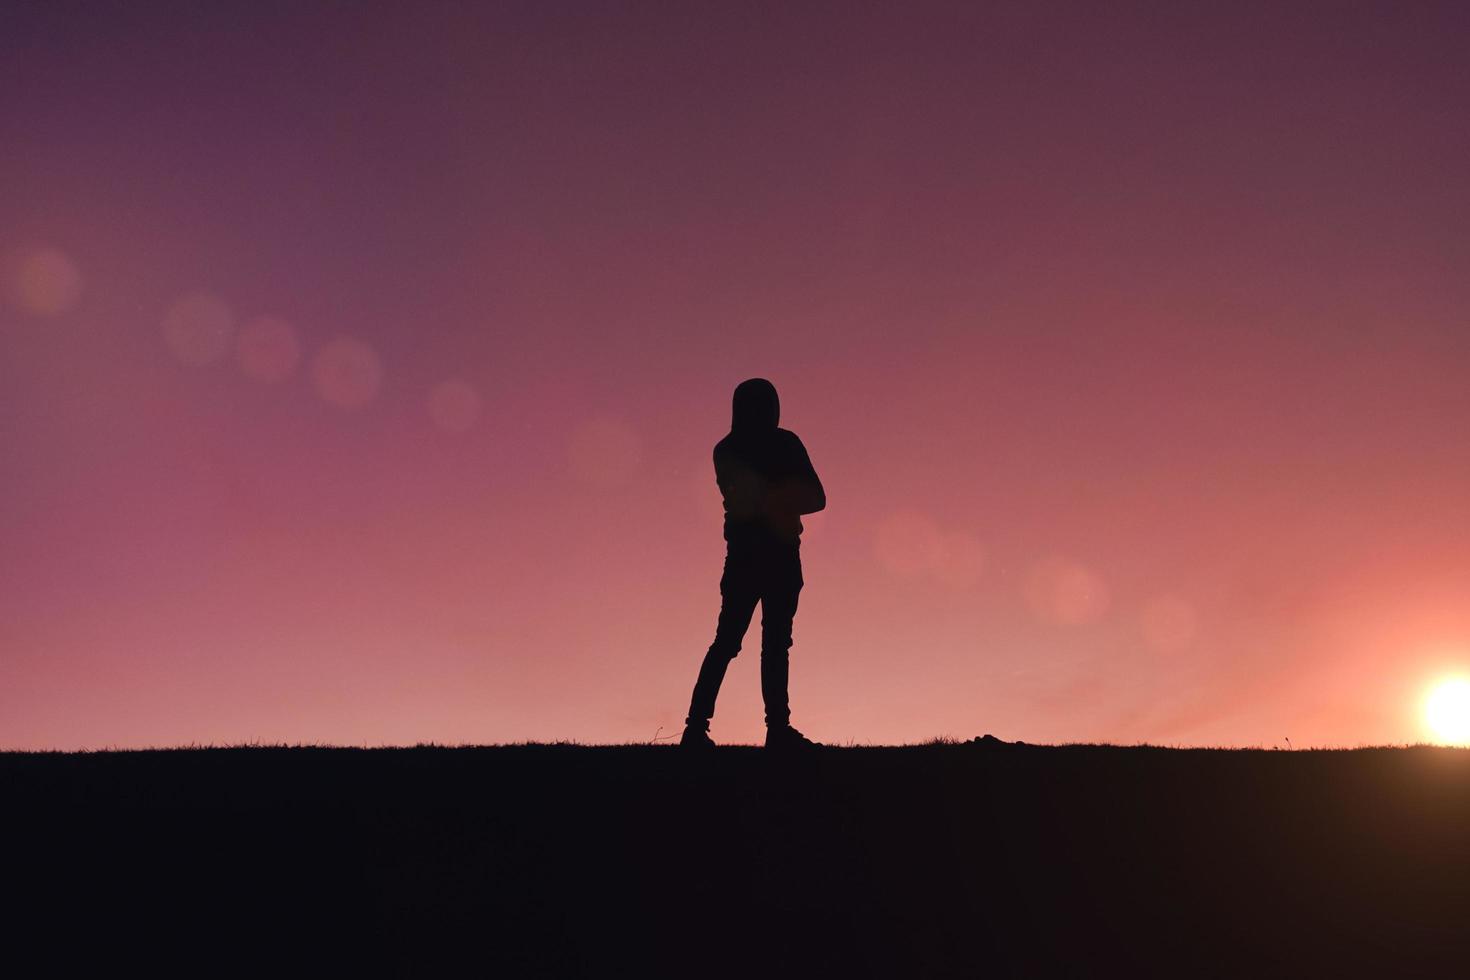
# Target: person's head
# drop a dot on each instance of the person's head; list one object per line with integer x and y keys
{"x": 756, "y": 406}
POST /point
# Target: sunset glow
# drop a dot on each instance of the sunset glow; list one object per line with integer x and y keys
{"x": 1447, "y": 711}
{"x": 358, "y": 384}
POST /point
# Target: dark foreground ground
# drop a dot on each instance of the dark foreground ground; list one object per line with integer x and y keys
{"x": 635, "y": 861}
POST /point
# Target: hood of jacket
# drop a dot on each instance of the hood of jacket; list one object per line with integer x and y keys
{"x": 755, "y": 407}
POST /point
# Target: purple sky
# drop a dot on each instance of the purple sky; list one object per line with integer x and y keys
{"x": 360, "y": 365}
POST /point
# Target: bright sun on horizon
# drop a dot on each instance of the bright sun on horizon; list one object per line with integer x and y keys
{"x": 1447, "y": 711}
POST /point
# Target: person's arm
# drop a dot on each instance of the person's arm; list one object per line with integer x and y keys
{"x": 741, "y": 488}
{"x": 804, "y": 488}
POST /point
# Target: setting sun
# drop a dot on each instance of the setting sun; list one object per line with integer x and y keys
{"x": 1447, "y": 711}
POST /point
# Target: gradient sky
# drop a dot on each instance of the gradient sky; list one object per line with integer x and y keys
{"x": 360, "y": 366}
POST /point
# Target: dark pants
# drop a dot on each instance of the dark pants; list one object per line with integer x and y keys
{"x": 772, "y": 577}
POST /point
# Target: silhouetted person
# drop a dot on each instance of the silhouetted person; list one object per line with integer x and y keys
{"x": 767, "y": 482}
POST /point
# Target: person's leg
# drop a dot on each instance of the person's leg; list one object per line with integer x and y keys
{"x": 778, "y": 610}
{"x": 737, "y": 605}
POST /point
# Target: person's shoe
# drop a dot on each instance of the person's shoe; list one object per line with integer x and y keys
{"x": 787, "y": 738}
{"x": 695, "y": 737}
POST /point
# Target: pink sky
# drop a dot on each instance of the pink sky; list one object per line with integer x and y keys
{"x": 1131, "y": 346}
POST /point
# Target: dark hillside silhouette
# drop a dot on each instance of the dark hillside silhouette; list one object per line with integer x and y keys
{"x": 946, "y": 860}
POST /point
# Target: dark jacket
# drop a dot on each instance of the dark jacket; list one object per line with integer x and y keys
{"x": 765, "y": 476}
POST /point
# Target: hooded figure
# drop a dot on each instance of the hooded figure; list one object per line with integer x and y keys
{"x": 767, "y": 482}
{"x": 765, "y": 476}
